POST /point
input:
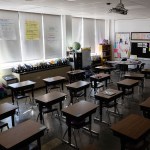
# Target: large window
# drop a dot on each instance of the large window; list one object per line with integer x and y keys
{"x": 88, "y": 32}
{"x": 29, "y": 36}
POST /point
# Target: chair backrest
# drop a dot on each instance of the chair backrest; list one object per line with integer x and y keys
{"x": 141, "y": 66}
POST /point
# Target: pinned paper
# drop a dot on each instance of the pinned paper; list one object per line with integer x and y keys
{"x": 144, "y": 50}
{"x": 115, "y": 50}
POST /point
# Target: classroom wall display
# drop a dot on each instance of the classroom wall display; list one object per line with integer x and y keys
{"x": 140, "y": 35}
{"x": 122, "y": 45}
{"x": 32, "y": 30}
{"x": 141, "y": 49}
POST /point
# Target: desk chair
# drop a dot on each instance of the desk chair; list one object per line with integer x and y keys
{"x": 99, "y": 86}
{"x": 21, "y": 95}
{"x": 77, "y": 125}
{"x": 46, "y": 110}
{"x": 142, "y": 145}
{"x": 3, "y": 124}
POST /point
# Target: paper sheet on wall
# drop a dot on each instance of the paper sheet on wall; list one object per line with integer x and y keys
{"x": 7, "y": 29}
{"x": 144, "y": 50}
{"x": 32, "y": 30}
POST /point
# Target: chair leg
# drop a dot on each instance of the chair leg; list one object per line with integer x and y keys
{"x": 65, "y": 133}
{"x": 75, "y": 138}
{"x": 58, "y": 116}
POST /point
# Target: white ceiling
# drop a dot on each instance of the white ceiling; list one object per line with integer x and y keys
{"x": 80, "y": 8}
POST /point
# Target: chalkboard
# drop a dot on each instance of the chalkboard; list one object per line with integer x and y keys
{"x": 141, "y": 49}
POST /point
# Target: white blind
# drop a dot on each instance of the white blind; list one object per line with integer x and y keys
{"x": 77, "y": 30}
{"x": 100, "y": 33}
{"x": 31, "y": 36}
{"x": 10, "y": 50}
{"x": 52, "y": 36}
{"x": 89, "y": 34}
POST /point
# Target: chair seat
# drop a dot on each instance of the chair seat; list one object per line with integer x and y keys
{"x": 110, "y": 104}
{"x": 139, "y": 146}
{"x": 48, "y": 110}
{"x": 78, "y": 124}
{"x": 19, "y": 96}
{"x": 3, "y": 124}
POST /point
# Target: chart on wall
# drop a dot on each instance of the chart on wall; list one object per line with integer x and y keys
{"x": 122, "y": 45}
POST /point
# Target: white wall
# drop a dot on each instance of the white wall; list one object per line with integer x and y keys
{"x": 136, "y": 25}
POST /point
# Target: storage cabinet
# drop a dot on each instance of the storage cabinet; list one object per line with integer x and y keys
{"x": 105, "y": 52}
{"x": 38, "y": 76}
{"x": 80, "y": 60}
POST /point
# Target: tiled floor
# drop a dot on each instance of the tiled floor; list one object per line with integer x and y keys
{"x": 105, "y": 141}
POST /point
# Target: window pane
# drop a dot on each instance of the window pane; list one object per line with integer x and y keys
{"x": 10, "y": 50}
{"x": 31, "y": 36}
{"x": 89, "y": 33}
{"x": 52, "y": 36}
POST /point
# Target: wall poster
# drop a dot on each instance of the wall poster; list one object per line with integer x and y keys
{"x": 7, "y": 29}
{"x": 32, "y": 30}
{"x": 122, "y": 45}
{"x": 140, "y": 35}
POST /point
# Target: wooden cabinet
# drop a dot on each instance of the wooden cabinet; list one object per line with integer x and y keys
{"x": 38, "y": 76}
{"x": 105, "y": 52}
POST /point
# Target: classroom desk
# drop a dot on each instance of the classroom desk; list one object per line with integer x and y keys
{"x": 136, "y": 76}
{"x": 54, "y": 81}
{"x": 99, "y": 78}
{"x": 7, "y": 110}
{"x": 76, "y": 75}
{"x": 21, "y": 86}
{"x": 50, "y": 99}
{"x": 127, "y": 84}
{"x": 22, "y": 135}
{"x": 105, "y": 99}
{"x": 145, "y": 107}
{"x": 105, "y": 69}
{"x": 78, "y": 112}
{"x": 133, "y": 128}
{"x": 77, "y": 87}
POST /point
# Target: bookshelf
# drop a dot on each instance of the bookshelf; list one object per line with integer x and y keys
{"x": 105, "y": 52}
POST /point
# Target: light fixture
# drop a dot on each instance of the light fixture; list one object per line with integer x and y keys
{"x": 120, "y": 9}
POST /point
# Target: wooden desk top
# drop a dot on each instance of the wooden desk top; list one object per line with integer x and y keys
{"x": 136, "y": 75}
{"x": 128, "y": 82}
{"x": 108, "y": 94}
{"x": 50, "y": 97}
{"x": 21, "y": 84}
{"x": 76, "y": 72}
{"x": 20, "y": 133}
{"x": 146, "y": 103}
{"x": 53, "y": 79}
{"x": 103, "y": 67}
{"x": 79, "y": 109}
{"x": 146, "y": 70}
{"x": 78, "y": 84}
{"x": 100, "y": 76}
{"x": 6, "y": 107}
{"x": 132, "y": 127}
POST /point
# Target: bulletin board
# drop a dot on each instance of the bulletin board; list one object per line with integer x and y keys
{"x": 122, "y": 45}
{"x": 141, "y": 49}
